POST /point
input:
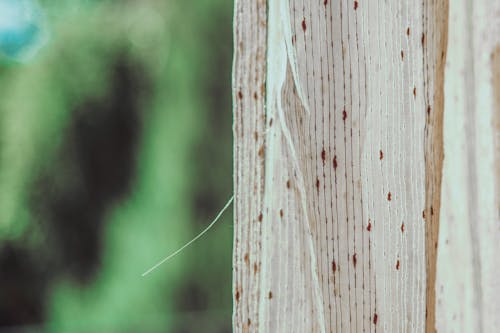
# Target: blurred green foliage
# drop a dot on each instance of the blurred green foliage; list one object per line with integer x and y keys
{"x": 181, "y": 53}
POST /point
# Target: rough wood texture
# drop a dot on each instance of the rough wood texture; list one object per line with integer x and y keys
{"x": 337, "y": 168}
{"x": 468, "y": 285}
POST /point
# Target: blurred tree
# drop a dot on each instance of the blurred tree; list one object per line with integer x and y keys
{"x": 108, "y": 142}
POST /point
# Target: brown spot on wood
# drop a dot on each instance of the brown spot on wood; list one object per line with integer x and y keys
{"x": 237, "y": 296}
{"x": 325, "y": 2}
{"x": 428, "y": 110}
{"x": 247, "y": 259}
{"x": 389, "y": 196}
{"x": 240, "y": 95}
{"x": 271, "y": 122}
{"x": 255, "y": 96}
{"x": 397, "y": 265}
{"x": 414, "y": 91}
{"x": 381, "y": 155}
{"x": 304, "y": 27}
{"x": 335, "y": 162}
{"x": 375, "y": 319}
{"x": 423, "y": 39}
{"x": 355, "y": 5}
{"x": 281, "y": 213}
{"x": 402, "y": 227}
{"x": 249, "y": 322}
{"x": 354, "y": 259}
{"x": 432, "y": 211}
{"x": 323, "y": 155}
{"x": 317, "y": 183}
{"x": 270, "y": 295}
{"x": 408, "y": 31}
{"x": 255, "y": 136}
{"x": 344, "y": 115}
{"x": 255, "y": 268}
{"x": 369, "y": 226}
{"x": 423, "y": 214}
{"x": 288, "y": 184}
{"x": 334, "y": 266}
{"x": 402, "y": 55}
{"x": 261, "y": 151}
{"x": 260, "y": 217}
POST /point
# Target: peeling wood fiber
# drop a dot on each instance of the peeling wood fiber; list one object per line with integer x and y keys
{"x": 338, "y": 109}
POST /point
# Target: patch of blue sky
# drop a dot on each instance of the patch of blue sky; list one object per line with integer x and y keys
{"x": 23, "y": 30}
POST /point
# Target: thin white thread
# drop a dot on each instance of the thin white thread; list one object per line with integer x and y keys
{"x": 192, "y": 240}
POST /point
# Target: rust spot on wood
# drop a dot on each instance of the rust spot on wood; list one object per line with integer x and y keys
{"x": 323, "y": 155}
{"x": 304, "y": 26}
{"x": 247, "y": 259}
{"x": 317, "y": 183}
{"x": 334, "y": 266}
{"x": 288, "y": 184}
{"x": 249, "y": 322}
{"x": 369, "y": 226}
{"x": 281, "y": 213}
{"x": 397, "y": 265}
{"x": 432, "y": 211}
{"x": 240, "y": 95}
{"x": 402, "y": 55}
{"x": 408, "y": 31}
{"x": 381, "y": 155}
{"x": 255, "y": 96}
{"x": 335, "y": 162}
{"x": 237, "y": 296}
{"x": 423, "y": 214}
{"x": 270, "y": 295}
{"x": 261, "y": 151}
{"x": 256, "y": 268}
{"x": 389, "y": 196}
{"x": 325, "y": 2}
{"x": 260, "y": 217}
{"x": 375, "y": 319}
{"x": 402, "y": 227}
{"x": 428, "y": 110}
{"x": 355, "y": 5}
{"x": 414, "y": 91}
{"x": 344, "y": 115}
{"x": 423, "y": 39}
{"x": 354, "y": 259}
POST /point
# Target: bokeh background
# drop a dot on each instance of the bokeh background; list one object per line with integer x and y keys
{"x": 115, "y": 149}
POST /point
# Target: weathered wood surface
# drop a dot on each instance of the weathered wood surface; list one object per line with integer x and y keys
{"x": 468, "y": 286}
{"x": 337, "y": 193}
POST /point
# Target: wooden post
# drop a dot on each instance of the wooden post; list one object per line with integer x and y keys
{"x": 338, "y": 152}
